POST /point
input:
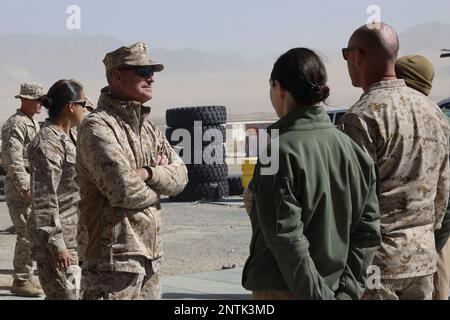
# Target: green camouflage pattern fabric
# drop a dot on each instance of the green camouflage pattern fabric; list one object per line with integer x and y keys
{"x": 122, "y": 214}
{"x": 407, "y": 135}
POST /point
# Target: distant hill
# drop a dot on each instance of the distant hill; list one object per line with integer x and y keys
{"x": 191, "y": 77}
{"x": 430, "y": 37}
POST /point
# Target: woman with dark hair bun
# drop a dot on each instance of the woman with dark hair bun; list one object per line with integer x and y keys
{"x": 315, "y": 219}
{"x": 55, "y": 192}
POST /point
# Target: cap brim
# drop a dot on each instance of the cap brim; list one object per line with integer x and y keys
{"x": 28, "y": 97}
{"x": 157, "y": 66}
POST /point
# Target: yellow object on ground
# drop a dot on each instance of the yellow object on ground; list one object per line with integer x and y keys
{"x": 248, "y": 167}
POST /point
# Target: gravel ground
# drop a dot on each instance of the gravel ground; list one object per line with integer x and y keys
{"x": 204, "y": 237}
{"x": 197, "y": 237}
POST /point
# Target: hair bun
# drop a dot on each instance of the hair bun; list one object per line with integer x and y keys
{"x": 320, "y": 92}
{"x": 325, "y": 90}
{"x": 47, "y": 102}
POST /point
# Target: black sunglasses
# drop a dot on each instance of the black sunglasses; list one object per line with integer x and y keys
{"x": 143, "y": 72}
{"x": 80, "y": 103}
{"x": 346, "y": 51}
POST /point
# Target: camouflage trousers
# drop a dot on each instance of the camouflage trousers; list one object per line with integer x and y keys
{"x": 115, "y": 285}
{"x": 248, "y": 200}
{"x": 417, "y": 288}
{"x": 442, "y": 275}
{"x": 19, "y": 212}
{"x": 53, "y": 281}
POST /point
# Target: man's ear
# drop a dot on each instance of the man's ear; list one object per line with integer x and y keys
{"x": 116, "y": 75}
{"x": 359, "y": 58}
{"x": 279, "y": 89}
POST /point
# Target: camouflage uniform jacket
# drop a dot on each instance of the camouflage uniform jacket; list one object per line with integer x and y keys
{"x": 121, "y": 211}
{"x": 407, "y": 135}
{"x": 17, "y": 132}
{"x": 54, "y": 187}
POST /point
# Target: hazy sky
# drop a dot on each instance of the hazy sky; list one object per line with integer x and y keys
{"x": 252, "y": 27}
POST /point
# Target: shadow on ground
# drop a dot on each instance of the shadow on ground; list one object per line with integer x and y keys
{"x": 204, "y": 296}
{"x": 6, "y": 271}
{"x": 10, "y": 230}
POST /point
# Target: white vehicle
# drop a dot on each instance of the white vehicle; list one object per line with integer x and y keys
{"x": 335, "y": 114}
{"x": 445, "y": 107}
{"x": 444, "y": 104}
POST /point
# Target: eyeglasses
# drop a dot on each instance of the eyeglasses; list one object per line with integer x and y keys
{"x": 346, "y": 51}
{"x": 143, "y": 72}
{"x": 80, "y": 103}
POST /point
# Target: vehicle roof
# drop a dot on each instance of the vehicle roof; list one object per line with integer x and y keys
{"x": 444, "y": 101}
{"x": 336, "y": 109}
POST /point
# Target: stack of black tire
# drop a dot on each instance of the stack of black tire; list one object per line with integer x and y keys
{"x": 207, "y": 181}
{"x": 235, "y": 183}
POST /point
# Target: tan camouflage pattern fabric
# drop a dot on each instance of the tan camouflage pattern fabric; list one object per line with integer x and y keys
{"x": 54, "y": 217}
{"x": 442, "y": 276}
{"x": 122, "y": 285}
{"x": 417, "y": 288}
{"x": 82, "y": 233}
{"x": 134, "y": 55}
{"x": 54, "y": 187}
{"x": 17, "y": 132}
{"x": 82, "y": 238}
{"x": 53, "y": 281}
{"x": 19, "y": 212}
{"x": 273, "y": 295}
{"x": 119, "y": 210}
{"x": 407, "y": 135}
{"x": 31, "y": 91}
{"x": 248, "y": 200}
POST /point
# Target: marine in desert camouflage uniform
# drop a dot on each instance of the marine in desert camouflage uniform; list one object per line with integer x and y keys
{"x": 124, "y": 164}
{"x": 17, "y": 132}
{"x": 418, "y": 73}
{"x": 55, "y": 192}
{"x": 408, "y": 137}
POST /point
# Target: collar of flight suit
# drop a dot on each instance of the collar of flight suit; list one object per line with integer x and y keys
{"x": 303, "y": 119}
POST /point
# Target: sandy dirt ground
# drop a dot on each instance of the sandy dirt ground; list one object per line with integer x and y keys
{"x": 197, "y": 237}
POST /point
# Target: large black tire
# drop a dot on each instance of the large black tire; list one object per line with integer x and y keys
{"x": 235, "y": 183}
{"x": 221, "y": 128}
{"x": 185, "y": 117}
{"x": 2, "y": 185}
{"x": 207, "y": 172}
{"x": 209, "y": 191}
{"x": 199, "y": 154}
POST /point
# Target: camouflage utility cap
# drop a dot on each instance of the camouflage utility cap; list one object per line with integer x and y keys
{"x": 132, "y": 56}
{"x": 32, "y": 91}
